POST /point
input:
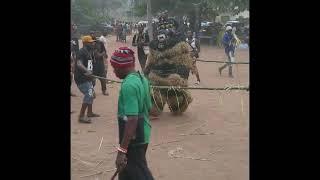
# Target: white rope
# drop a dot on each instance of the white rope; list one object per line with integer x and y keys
{"x": 154, "y": 100}
{"x": 168, "y": 99}
{"x": 177, "y": 99}
{"x": 161, "y": 98}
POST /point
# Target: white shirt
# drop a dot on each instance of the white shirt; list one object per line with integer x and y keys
{"x": 104, "y": 40}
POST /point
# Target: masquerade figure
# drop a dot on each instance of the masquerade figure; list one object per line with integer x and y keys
{"x": 169, "y": 63}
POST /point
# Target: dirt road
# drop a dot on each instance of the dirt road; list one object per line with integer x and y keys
{"x": 209, "y": 141}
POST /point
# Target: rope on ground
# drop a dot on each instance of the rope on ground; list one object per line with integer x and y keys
{"x": 227, "y": 88}
{"x": 201, "y": 60}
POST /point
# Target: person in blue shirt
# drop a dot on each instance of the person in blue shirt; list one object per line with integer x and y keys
{"x": 228, "y": 42}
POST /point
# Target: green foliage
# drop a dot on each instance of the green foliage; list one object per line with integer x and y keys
{"x": 92, "y": 12}
{"x": 140, "y": 10}
{"x": 208, "y": 8}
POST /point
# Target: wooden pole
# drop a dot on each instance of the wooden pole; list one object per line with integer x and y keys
{"x": 150, "y": 29}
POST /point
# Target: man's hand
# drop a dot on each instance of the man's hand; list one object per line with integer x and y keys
{"x": 121, "y": 161}
{"x": 89, "y": 74}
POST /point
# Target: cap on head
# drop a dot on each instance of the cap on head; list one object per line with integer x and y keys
{"x": 87, "y": 39}
{"x": 228, "y": 28}
{"x": 123, "y": 58}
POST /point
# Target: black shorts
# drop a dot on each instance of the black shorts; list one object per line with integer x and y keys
{"x": 137, "y": 168}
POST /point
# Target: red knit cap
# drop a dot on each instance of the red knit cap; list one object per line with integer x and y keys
{"x": 122, "y": 58}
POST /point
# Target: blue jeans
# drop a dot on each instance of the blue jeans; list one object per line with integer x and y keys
{"x": 229, "y": 50}
{"x": 87, "y": 90}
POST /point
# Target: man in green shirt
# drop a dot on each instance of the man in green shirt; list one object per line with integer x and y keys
{"x": 134, "y": 104}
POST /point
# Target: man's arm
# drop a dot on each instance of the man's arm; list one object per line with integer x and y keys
{"x": 129, "y": 131}
{"x": 80, "y": 65}
{"x": 101, "y": 54}
{"x": 131, "y": 110}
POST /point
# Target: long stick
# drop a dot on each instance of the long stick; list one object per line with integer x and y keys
{"x": 98, "y": 77}
{"x": 204, "y": 88}
{"x": 178, "y": 87}
{"x": 223, "y": 61}
{"x": 150, "y": 28}
{"x": 100, "y": 144}
{"x": 114, "y": 175}
{"x": 91, "y": 174}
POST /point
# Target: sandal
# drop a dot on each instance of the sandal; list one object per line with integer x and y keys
{"x": 93, "y": 115}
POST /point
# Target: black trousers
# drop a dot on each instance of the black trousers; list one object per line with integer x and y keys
{"x": 137, "y": 168}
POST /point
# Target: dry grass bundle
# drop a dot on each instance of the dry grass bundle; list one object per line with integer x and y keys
{"x": 171, "y": 80}
{"x": 179, "y": 55}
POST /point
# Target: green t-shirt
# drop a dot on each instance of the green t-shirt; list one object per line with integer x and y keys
{"x": 135, "y": 100}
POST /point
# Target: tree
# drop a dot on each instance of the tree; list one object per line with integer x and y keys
{"x": 150, "y": 29}
{"x": 92, "y": 12}
{"x": 208, "y": 8}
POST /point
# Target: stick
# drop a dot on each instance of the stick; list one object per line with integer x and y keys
{"x": 100, "y": 144}
{"x": 199, "y": 88}
{"x": 98, "y": 77}
{"x": 242, "y": 105}
{"x": 202, "y": 125}
{"x": 183, "y": 124}
{"x": 166, "y": 142}
{"x": 196, "y": 134}
{"x": 87, "y": 163}
{"x": 114, "y": 175}
{"x": 223, "y": 62}
{"x": 109, "y": 170}
{"x": 205, "y": 88}
{"x": 192, "y": 158}
{"x": 215, "y": 151}
{"x": 91, "y": 174}
{"x": 100, "y": 163}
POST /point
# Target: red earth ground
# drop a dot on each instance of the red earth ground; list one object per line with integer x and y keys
{"x": 209, "y": 141}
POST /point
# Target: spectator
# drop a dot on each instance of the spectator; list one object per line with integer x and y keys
{"x": 83, "y": 78}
